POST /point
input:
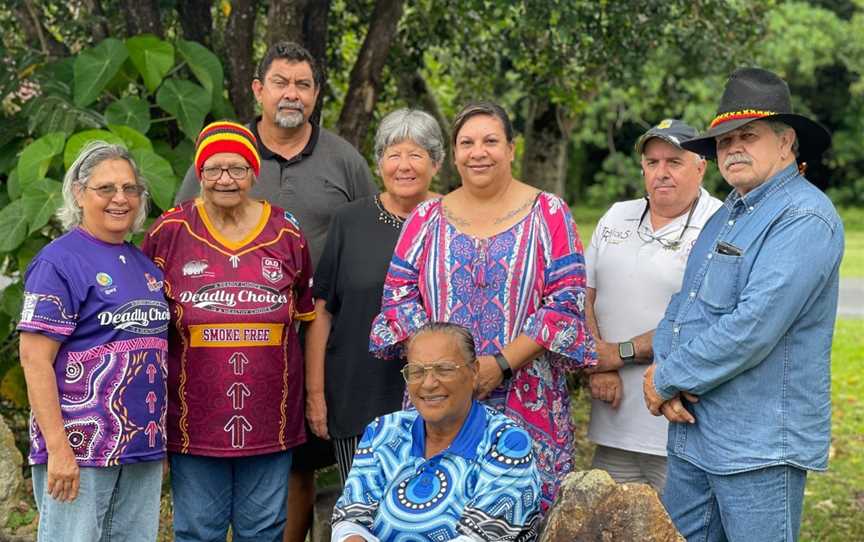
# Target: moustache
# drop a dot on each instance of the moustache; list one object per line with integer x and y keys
{"x": 737, "y": 158}
{"x": 292, "y": 104}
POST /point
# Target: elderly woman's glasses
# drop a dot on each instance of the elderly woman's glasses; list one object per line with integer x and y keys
{"x": 238, "y": 173}
{"x": 108, "y": 191}
{"x": 445, "y": 371}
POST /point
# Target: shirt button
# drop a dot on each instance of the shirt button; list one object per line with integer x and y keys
{"x": 731, "y": 222}
{"x": 675, "y": 330}
{"x": 750, "y": 208}
{"x": 710, "y": 255}
{"x": 692, "y": 294}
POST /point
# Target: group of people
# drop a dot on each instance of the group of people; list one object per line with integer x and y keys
{"x": 284, "y": 316}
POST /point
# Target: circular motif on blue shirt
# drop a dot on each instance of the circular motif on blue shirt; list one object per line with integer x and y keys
{"x": 424, "y": 490}
{"x": 512, "y": 447}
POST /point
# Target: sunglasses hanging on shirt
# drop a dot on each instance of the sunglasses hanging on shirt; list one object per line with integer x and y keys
{"x": 668, "y": 244}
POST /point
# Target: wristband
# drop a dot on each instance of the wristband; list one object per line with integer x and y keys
{"x": 506, "y": 370}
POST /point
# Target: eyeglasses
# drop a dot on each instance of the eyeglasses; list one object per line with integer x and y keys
{"x": 668, "y": 244}
{"x": 445, "y": 371}
{"x": 108, "y": 191}
{"x": 238, "y": 173}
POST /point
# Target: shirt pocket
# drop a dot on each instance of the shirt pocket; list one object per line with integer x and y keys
{"x": 720, "y": 287}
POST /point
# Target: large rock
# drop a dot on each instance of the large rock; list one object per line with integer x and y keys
{"x": 592, "y": 507}
{"x": 10, "y": 472}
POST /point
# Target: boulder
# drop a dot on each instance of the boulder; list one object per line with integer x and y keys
{"x": 592, "y": 507}
{"x": 10, "y": 472}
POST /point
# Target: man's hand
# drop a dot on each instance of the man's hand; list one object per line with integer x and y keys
{"x": 63, "y": 474}
{"x": 607, "y": 387}
{"x": 316, "y": 413}
{"x": 608, "y": 358}
{"x": 674, "y": 409}
{"x": 652, "y": 399}
{"x": 490, "y": 376}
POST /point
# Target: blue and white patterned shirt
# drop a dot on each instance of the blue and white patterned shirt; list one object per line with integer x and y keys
{"x": 484, "y": 486}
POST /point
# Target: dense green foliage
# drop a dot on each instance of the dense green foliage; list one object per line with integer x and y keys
{"x": 151, "y": 95}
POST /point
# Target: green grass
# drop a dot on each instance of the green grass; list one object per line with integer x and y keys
{"x": 853, "y": 220}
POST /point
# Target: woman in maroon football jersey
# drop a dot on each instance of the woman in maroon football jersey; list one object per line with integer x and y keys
{"x": 237, "y": 279}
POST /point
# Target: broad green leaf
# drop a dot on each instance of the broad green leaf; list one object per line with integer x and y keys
{"x": 41, "y": 200}
{"x": 204, "y": 64}
{"x": 152, "y": 57}
{"x": 53, "y": 113}
{"x": 222, "y": 107}
{"x": 13, "y": 187}
{"x": 94, "y": 67}
{"x": 180, "y": 156}
{"x": 129, "y": 111}
{"x": 77, "y": 142}
{"x": 132, "y": 138}
{"x": 188, "y": 102}
{"x": 10, "y": 303}
{"x": 29, "y": 249}
{"x": 57, "y": 77}
{"x": 13, "y": 224}
{"x": 159, "y": 177}
{"x": 36, "y": 157}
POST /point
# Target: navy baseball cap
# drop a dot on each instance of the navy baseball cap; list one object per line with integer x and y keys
{"x": 672, "y": 131}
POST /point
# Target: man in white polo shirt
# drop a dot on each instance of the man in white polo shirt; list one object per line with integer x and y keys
{"x": 636, "y": 262}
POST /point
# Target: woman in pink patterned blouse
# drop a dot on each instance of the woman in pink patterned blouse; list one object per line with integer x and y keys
{"x": 504, "y": 260}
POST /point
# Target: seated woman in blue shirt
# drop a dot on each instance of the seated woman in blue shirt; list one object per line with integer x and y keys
{"x": 451, "y": 470}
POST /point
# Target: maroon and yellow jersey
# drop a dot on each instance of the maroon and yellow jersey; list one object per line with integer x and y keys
{"x": 235, "y": 368}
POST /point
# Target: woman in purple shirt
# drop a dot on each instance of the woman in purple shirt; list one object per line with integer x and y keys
{"x": 93, "y": 343}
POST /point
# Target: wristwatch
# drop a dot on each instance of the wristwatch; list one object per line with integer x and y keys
{"x": 506, "y": 370}
{"x": 627, "y": 352}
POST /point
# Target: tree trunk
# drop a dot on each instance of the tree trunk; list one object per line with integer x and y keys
{"x": 365, "y": 79}
{"x": 544, "y": 162}
{"x": 285, "y": 21}
{"x": 142, "y": 16}
{"x": 196, "y": 20}
{"x": 238, "y": 53}
{"x": 98, "y": 22}
{"x": 315, "y": 40}
{"x": 30, "y": 20}
{"x": 417, "y": 94}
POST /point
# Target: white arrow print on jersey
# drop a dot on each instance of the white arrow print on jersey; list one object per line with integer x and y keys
{"x": 238, "y": 426}
{"x": 237, "y": 392}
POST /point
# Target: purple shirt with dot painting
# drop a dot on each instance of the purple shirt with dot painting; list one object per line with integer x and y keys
{"x": 103, "y": 303}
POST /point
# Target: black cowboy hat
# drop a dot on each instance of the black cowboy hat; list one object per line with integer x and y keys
{"x": 757, "y": 94}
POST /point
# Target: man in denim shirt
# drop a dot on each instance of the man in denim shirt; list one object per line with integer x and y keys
{"x": 750, "y": 332}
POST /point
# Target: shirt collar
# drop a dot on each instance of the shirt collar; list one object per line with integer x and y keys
{"x": 466, "y": 441}
{"x": 267, "y": 154}
{"x": 754, "y": 197}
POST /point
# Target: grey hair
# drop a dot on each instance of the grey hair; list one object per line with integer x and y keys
{"x": 463, "y": 338}
{"x": 410, "y": 125}
{"x": 780, "y": 128}
{"x": 93, "y": 154}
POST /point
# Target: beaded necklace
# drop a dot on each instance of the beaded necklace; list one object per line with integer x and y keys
{"x": 386, "y": 216}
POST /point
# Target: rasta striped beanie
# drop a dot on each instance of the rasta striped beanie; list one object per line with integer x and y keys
{"x": 226, "y": 136}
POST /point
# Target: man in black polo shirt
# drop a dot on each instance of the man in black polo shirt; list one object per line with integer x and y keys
{"x": 310, "y": 172}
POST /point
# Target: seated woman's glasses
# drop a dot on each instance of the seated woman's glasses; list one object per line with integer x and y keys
{"x": 445, "y": 371}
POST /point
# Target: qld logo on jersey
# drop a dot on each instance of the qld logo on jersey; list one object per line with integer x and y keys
{"x": 142, "y": 316}
{"x": 235, "y": 297}
{"x": 271, "y": 269}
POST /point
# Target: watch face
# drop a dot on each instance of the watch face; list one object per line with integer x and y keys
{"x": 626, "y": 350}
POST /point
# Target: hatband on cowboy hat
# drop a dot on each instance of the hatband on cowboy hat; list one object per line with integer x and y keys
{"x": 757, "y": 94}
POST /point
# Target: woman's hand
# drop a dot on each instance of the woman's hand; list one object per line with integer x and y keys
{"x": 63, "y": 474}
{"x": 489, "y": 377}
{"x": 316, "y": 413}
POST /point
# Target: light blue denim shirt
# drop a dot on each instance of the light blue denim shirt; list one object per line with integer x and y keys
{"x": 750, "y": 334}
